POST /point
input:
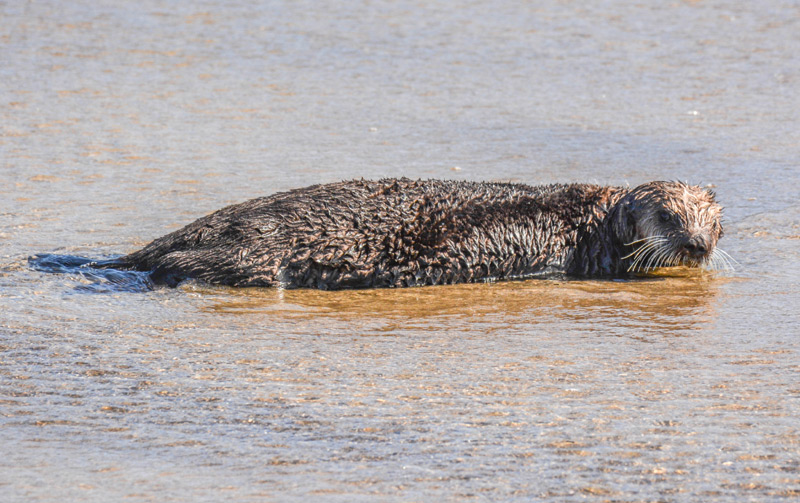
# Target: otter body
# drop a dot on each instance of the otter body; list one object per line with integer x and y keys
{"x": 400, "y": 232}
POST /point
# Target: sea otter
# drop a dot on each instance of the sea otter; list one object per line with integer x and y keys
{"x": 401, "y": 233}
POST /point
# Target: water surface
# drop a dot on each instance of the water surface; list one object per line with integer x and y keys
{"x": 121, "y": 122}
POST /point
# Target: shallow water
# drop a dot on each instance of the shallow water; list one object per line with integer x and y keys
{"x": 121, "y": 122}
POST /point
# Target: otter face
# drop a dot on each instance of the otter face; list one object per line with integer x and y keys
{"x": 670, "y": 224}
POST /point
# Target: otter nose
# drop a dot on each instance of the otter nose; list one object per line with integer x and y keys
{"x": 696, "y": 247}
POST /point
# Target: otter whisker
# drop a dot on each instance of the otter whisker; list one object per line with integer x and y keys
{"x": 649, "y": 253}
{"x": 721, "y": 260}
{"x": 643, "y": 251}
{"x": 715, "y": 262}
{"x": 730, "y": 265}
{"x": 653, "y": 254}
{"x": 648, "y": 238}
{"x": 726, "y": 254}
{"x": 730, "y": 261}
{"x": 653, "y": 258}
{"x": 674, "y": 260}
{"x": 665, "y": 258}
{"x": 641, "y": 254}
{"x": 651, "y": 241}
{"x": 638, "y": 241}
{"x": 718, "y": 263}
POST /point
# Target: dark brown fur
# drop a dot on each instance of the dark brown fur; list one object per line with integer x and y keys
{"x": 396, "y": 233}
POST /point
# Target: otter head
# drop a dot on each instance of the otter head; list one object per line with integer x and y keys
{"x": 663, "y": 224}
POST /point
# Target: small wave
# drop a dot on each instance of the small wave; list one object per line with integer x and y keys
{"x": 101, "y": 274}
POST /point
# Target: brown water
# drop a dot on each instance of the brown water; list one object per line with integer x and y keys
{"x": 122, "y": 121}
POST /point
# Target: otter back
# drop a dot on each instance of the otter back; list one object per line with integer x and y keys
{"x": 386, "y": 233}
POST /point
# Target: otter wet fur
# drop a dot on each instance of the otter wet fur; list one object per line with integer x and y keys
{"x": 401, "y": 233}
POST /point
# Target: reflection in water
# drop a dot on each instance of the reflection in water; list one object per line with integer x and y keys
{"x": 669, "y": 301}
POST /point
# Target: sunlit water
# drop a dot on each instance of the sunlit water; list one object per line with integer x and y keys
{"x": 121, "y": 122}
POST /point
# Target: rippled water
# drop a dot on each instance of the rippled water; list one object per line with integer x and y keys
{"x": 120, "y": 122}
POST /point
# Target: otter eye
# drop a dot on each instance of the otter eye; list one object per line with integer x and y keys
{"x": 665, "y": 216}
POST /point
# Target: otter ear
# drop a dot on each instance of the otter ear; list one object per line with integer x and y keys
{"x": 624, "y": 220}
{"x": 630, "y": 209}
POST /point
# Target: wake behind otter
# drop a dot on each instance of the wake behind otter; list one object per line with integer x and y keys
{"x": 100, "y": 276}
